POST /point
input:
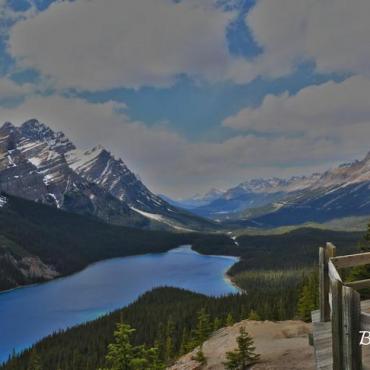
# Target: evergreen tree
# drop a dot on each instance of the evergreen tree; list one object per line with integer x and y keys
{"x": 169, "y": 345}
{"x": 253, "y": 315}
{"x": 309, "y": 296}
{"x": 122, "y": 355}
{"x": 121, "y": 352}
{"x": 229, "y": 319}
{"x": 217, "y": 324}
{"x": 203, "y": 328}
{"x": 35, "y": 361}
{"x": 244, "y": 355}
{"x": 185, "y": 345}
{"x": 153, "y": 360}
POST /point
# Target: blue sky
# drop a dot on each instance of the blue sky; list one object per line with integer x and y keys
{"x": 193, "y": 94}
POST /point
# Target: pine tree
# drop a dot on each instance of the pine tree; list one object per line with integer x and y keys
{"x": 244, "y": 355}
{"x": 253, "y": 315}
{"x": 35, "y": 361}
{"x": 217, "y": 324}
{"x": 121, "y": 352}
{"x": 153, "y": 360}
{"x": 309, "y": 297}
{"x": 184, "y": 346}
{"x": 122, "y": 355}
{"x": 203, "y": 328}
{"x": 229, "y": 319}
{"x": 169, "y": 345}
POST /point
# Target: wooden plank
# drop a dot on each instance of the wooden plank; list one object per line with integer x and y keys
{"x": 359, "y": 284}
{"x": 324, "y": 256}
{"x": 324, "y": 286}
{"x": 365, "y": 321}
{"x": 331, "y": 250}
{"x": 321, "y": 332}
{"x": 333, "y": 273}
{"x": 352, "y": 358}
{"x": 351, "y": 260}
{"x": 336, "y": 326}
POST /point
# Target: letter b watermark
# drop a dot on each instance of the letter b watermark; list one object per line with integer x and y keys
{"x": 365, "y": 338}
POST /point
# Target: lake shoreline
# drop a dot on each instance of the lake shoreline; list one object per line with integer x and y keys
{"x": 63, "y": 276}
{"x": 105, "y": 286}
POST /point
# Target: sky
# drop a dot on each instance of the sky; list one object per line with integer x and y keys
{"x": 194, "y": 94}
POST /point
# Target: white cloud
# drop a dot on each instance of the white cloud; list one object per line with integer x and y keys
{"x": 9, "y": 89}
{"x": 93, "y": 44}
{"x": 169, "y": 163}
{"x": 332, "y": 33}
{"x": 330, "y": 108}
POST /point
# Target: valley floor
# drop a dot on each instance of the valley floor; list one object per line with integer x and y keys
{"x": 283, "y": 345}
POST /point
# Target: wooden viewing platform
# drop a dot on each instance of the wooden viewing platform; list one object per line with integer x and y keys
{"x": 342, "y": 315}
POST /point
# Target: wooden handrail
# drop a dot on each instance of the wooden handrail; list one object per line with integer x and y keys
{"x": 351, "y": 260}
{"x": 359, "y": 284}
{"x": 340, "y": 304}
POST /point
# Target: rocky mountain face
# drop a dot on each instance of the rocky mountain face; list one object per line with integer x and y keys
{"x": 42, "y": 165}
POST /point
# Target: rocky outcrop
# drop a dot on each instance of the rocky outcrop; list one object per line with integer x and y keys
{"x": 282, "y": 345}
{"x": 16, "y": 271}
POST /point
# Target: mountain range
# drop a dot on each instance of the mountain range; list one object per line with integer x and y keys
{"x": 39, "y": 164}
{"x": 42, "y": 165}
{"x": 339, "y": 192}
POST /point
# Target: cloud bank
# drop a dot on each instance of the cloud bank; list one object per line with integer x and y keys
{"x": 95, "y": 45}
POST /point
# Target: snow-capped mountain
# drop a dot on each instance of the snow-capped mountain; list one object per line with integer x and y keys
{"x": 253, "y": 194}
{"x": 338, "y": 192}
{"x": 40, "y": 164}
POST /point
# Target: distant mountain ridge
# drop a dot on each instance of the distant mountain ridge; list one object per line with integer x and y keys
{"x": 339, "y": 192}
{"x": 42, "y": 165}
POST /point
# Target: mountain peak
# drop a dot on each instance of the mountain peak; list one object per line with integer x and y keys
{"x": 7, "y": 128}
{"x": 7, "y": 125}
{"x": 33, "y": 129}
{"x": 98, "y": 149}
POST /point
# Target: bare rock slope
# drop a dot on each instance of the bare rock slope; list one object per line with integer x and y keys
{"x": 282, "y": 345}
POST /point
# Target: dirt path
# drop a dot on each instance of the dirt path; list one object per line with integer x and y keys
{"x": 282, "y": 345}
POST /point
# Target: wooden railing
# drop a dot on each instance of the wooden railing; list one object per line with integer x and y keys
{"x": 340, "y": 303}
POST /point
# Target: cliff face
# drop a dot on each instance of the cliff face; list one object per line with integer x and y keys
{"x": 282, "y": 345}
{"x": 39, "y": 164}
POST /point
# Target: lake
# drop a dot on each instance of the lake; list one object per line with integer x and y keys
{"x": 30, "y": 313}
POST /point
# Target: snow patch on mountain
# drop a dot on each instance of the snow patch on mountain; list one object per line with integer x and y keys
{"x": 42, "y": 165}
{"x": 3, "y": 201}
{"x": 80, "y": 160}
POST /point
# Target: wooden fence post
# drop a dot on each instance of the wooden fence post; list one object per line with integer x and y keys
{"x": 337, "y": 325}
{"x": 352, "y": 357}
{"x": 324, "y": 255}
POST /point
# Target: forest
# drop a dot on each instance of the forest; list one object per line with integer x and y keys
{"x": 70, "y": 242}
{"x": 277, "y": 277}
{"x": 168, "y": 317}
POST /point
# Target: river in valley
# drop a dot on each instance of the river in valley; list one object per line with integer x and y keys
{"x": 30, "y": 313}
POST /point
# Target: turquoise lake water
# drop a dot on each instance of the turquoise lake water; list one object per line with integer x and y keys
{"x": 30, "y": 313}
